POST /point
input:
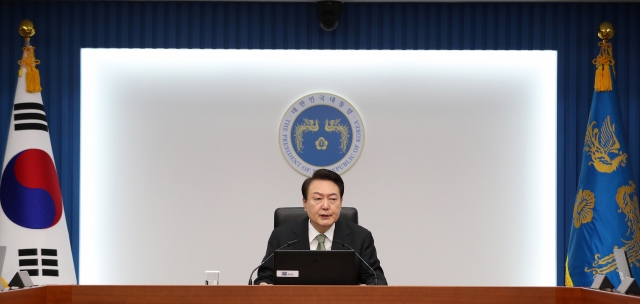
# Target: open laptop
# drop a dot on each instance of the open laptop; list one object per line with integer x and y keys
{"x": 314, "y": 267}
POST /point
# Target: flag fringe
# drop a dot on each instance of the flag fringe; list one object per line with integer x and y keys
{"x": 567, "y": 277}
{"x": 603, "y": 81}
{"x": 29, "y": 62}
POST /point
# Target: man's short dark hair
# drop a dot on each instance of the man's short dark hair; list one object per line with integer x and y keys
{"x": 323, "y": 174}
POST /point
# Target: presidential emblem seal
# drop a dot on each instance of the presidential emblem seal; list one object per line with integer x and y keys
{"x": 321, "y": 131}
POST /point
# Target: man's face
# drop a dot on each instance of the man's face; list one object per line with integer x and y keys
{"x": 323, "y": 204}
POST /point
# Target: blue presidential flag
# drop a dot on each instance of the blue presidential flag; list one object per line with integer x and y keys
{"x": 605, "y": 213}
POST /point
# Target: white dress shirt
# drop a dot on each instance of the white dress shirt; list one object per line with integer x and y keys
{"x": 313, "y": 243}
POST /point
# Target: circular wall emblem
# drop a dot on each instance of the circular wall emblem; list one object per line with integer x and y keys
{"x": 321, "y": 130}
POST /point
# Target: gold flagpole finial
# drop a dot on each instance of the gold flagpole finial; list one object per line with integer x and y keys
{"x": 26, "y": 30}
{"x": 29, "y": 60}
{"x": 606, "y": 31}
{"x": 604, "y": 62}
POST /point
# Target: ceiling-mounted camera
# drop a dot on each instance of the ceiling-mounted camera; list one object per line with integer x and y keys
{"x": 329, "y": 14}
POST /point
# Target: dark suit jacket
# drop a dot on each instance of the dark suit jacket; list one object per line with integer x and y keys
{"x": 357, "y": 237}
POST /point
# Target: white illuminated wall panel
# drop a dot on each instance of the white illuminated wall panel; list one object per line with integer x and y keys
{"x": 181, "y": 168}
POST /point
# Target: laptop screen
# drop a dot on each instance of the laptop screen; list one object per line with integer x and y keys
{"x": 314, "y": 267}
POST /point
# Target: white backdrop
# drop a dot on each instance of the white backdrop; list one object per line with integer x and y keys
{"x": 181, "y": 168}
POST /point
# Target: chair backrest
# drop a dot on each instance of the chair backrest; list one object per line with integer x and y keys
{"x": 291, "y": 214}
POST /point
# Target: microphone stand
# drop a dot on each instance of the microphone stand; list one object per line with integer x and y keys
{"x": 375, "y": 277}
{"x": 265, "y": 260}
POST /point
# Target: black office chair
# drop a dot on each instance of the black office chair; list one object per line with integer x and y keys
{"x": 291, "y": 214}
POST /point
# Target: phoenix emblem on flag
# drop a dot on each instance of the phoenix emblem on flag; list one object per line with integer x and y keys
{"x": 628, "y": 203}
{"x": 600, "y": 143}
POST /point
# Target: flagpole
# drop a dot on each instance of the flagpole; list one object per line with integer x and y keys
{"x": 26, "y": 30}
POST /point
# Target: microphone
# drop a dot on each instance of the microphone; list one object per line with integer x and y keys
{"x": 341, "y": 243}
{"x": 265, "y": 260}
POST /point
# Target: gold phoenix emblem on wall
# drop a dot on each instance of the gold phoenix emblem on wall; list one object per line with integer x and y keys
{"x": 321, "y": 144}
{"x": 599, "y": 143}
{"x": 334, "y": 126}
{"x": 309, "y": 125}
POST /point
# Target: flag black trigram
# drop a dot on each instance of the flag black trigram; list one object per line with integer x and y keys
{"x": 29, "y": 116}
{"x": 30, "y": 261}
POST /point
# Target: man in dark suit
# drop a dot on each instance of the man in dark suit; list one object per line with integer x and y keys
{"x": 322, "y": 200}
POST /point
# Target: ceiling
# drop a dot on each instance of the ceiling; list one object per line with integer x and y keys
{"x": 400, "y": 1}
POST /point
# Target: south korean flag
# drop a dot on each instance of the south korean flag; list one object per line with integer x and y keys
{"x": 32, "y": 220}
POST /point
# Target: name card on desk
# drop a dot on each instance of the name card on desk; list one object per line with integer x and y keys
{"x": 287, "y": 273}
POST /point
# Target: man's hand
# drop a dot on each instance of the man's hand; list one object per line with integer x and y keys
{"x": 264, "y": 283}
